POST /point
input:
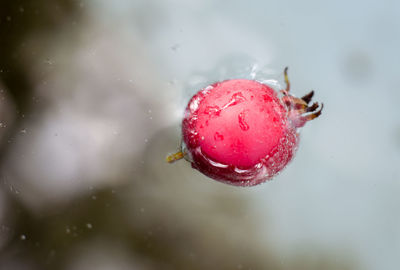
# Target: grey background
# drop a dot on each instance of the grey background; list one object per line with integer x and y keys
{"x": 106, "y": 84}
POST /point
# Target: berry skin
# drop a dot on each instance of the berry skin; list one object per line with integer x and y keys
{"x": 241, "y": 133}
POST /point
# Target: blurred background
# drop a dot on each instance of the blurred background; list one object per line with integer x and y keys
{"x": 91, "y": 98}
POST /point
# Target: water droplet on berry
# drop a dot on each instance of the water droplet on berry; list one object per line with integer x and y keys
{"x": 235, "y": 99}
{"x": 212, "y": 110}
{"x": 242, "y": 120}
{"x": 218, "y": 136}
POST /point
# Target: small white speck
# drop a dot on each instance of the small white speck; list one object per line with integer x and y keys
{"x": 89, "y": 226}
{"x": 23, "y": 237}
{"x": 13, "y": 189}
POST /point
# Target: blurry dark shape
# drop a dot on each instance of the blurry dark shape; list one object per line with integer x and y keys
{"x": 358, "y": 67}
{"x": 166, "y": 218}
{"x": 19, "y": 21}
{"x": 175, "y": 47}
{"x": 7, "y": 112}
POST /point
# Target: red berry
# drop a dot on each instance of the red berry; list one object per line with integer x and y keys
{"x": 240, "y": 132}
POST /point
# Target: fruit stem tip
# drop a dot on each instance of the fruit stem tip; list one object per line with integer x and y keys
{"x": 175, "y": 157}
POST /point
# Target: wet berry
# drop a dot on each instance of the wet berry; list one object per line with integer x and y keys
{"x": 241, "y": 133}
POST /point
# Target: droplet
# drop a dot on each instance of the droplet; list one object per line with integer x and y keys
{"x": 235, "y": 99}
{"x": 89, "y": 226}
{"x": 242, "y": 120}
{"x": 218, "y": 136}
{"x": 212, "y": 110}
{"x": 23, "y": 237}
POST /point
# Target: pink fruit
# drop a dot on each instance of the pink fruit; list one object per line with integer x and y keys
{"x": 241, "y": 133}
